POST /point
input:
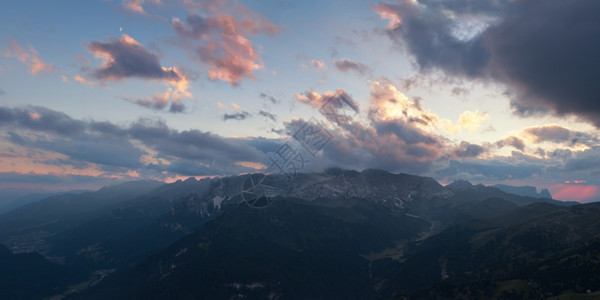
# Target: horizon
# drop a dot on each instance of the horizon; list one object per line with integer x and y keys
{"x": 100, "y": 93}
{"x": 23, "y": 193}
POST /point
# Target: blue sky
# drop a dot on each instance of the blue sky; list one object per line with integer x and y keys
{"x": 97, "y": 92}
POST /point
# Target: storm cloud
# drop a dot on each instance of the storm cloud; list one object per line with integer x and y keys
{"x": 543, "y": 51}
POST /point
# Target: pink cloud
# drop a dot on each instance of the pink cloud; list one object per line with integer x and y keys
{"x": 318, "y": 63}
{"x": 28, "y": 57}
{"x": 136, "y": 5}
{"x": 83, "y": 81}
{"x": 221, "y": 40}
{"x": 157, "y": 101}
{"x": 394, "y": 12}
{"x": 133, "y": 5}
{"x": 160, "y": 101}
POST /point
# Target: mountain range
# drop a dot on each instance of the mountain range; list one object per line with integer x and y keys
{"x": 336, "y": 234}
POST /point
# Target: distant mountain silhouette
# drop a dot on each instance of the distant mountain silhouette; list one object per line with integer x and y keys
{"x": 529, "y": 191}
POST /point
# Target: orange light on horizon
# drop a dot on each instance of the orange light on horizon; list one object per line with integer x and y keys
{"x": 575, "y": 181}
{"x": 579, "y": 193}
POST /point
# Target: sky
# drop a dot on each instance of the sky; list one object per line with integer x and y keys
{"x": 494, "y": 92}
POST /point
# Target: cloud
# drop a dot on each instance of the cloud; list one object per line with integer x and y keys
{"x": 470, "y": 120}
{"x": 559, "y": 134}
{"x": 112, "y": 151}
{"x": 346, "y": 65}
{"x": 2, "y": 92}
{"x": 126, "y": 57}
{"x": 177, "y": 107}
{"x": 393, "y": 140}
{"x": 338, "y": 107}
{"x": 460, "y": 92}
{"x": 488, "y": 170}
{"x": 389, "y": 104}
{"x": 133, "y": 5}
{"x": 220, "y": 40}
{"x": 40, "y": 119}
{"x": 236, "y": 116}
{"x": 191, "y": 144}
{"x": 270, "y": 98}
{"x": 588, "y": 160}
{"x": 146, "y": 145}
{"x": 29, "y": 57}
{"x": 466, "y": 149}
{"x": 513, "y": 141}
{"x": 158, "y": 101}
{"x": 508, "y": 42}
{"x": 268, "y": 115}
{"x": 318, "y": 63}
{"x": 553, "y": 133}
{"x": 54, "y": 182}
{"x": 396, "y": 146}
{"x": 82, "y": 80}
{"x": 136, "y": 5}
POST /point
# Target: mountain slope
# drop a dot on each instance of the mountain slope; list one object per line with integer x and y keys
{"x": 553, "y": 249}
{"x": 24, "y": 229}
{"x": 293, "y": 248}
{"x": 31, "y": 276}
{"x": 390, "y": 213}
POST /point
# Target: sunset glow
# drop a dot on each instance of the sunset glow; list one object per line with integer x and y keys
{"x": 172, "y": 89}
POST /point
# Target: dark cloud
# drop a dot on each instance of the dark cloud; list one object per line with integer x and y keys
{"x": 544, "y": 51}
{"x": 177, "y": 107}
{"x": 42, "y": 119}
{"x": 106, "y": 127}
{"x": 513, "y": 141}
{"x": 466, "y": 149}
{"x": 346, "y": 65}
{"x": 113, "y": 146}
{"x": 270, "y": 98}
{"x": 264, "y": 145}
{"x": 159, "y": 102}
{"x": 93, "y": 148}
{"x": 268, "y": 115}
{"x": 236, "y": 116}
{"x": 586, "y": 161}
{"x": 125, "y": 57}
{"x": 559, "y": 134}
{"x": 52, "y": 179}
{"x": 559, "y": 154}
{"x": 547, "y": 48}
{"x": 191, "y": 144}
{"x": 2, "y": 92}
